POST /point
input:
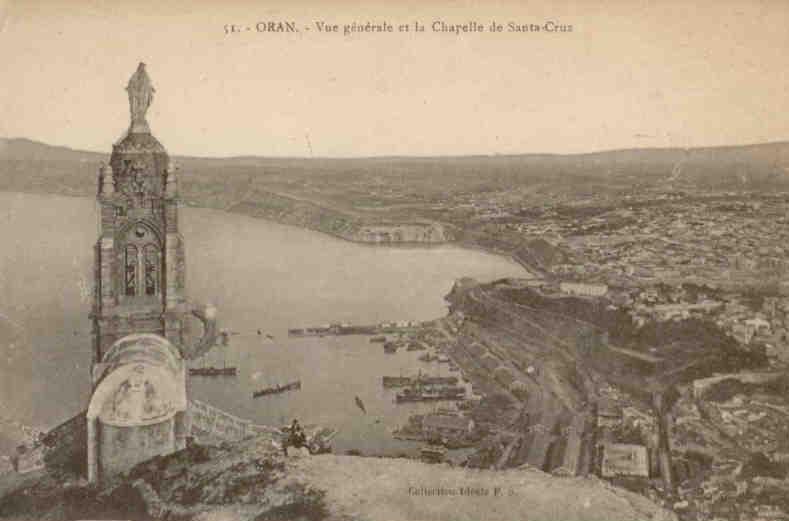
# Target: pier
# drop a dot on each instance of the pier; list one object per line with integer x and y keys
{"x": 338, "y": 329}
{"x": 408, "y": 381}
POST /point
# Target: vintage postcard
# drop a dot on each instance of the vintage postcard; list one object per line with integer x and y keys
{"x": 394, "y": 261}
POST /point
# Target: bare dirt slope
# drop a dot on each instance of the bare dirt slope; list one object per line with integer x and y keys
{"x": 389, "y": 489}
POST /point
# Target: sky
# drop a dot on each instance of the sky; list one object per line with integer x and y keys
{"x": 635, "y": 73}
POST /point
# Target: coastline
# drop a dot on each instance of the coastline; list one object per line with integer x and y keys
{"x": 531, "y": 271}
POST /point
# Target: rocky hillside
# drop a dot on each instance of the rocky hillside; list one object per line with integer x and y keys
{"x": 251, "y": 480}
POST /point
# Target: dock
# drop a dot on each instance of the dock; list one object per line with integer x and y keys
{"x": 408, "y": 381}
{"x": 338, "y": 329}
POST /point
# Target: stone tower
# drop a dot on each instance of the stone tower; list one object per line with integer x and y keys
{"x": 139, "y": 405}
{"x": 139, "y": 257}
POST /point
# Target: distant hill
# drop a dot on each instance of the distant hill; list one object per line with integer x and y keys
{"x": 22, "y": 149}
{"x": 24, "y": 162}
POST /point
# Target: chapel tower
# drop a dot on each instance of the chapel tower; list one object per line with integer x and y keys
{"x": 139, "y": 257}
{"x": 139, "y": 406}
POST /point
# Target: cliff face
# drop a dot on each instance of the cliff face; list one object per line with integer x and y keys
{"x": 250, "y": 480}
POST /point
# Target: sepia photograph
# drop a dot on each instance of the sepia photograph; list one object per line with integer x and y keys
{"x": 440, "y": 260}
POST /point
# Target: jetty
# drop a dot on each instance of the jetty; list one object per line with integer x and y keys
{"x": 417, "y": 394}
{"x": 402, "y": 326}
{"x": 410, "y": 381}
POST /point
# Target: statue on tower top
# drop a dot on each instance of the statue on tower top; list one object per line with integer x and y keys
{"x": 140, "y": 92}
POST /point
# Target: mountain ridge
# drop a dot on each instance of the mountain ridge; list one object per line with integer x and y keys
{"x": 47, "y": 147}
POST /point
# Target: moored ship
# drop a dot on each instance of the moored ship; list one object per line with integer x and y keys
{"x": 277, "y": 389}
{"x": 416, "y": 394}
{"x": 215, "y": 370}
{"x": 212, "y": 371}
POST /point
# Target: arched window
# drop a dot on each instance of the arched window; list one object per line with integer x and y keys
{"x": 130, "y": 285}
{"x": 142, "y": 260}
{"x": 151, "y": 259}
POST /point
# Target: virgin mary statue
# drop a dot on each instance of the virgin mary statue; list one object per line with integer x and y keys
{"x": 140, "y": 97}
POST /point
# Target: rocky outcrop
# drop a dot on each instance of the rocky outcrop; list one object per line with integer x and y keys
{"x": 251, "y": 480}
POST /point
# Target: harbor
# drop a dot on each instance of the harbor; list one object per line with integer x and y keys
{"x": 431, "y": 393}
{"x": 259, "y": 346}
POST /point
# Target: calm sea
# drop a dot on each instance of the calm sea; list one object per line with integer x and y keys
{"x": 262, "y": 276}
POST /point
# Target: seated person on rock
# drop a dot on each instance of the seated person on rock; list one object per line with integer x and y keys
{"x": 296, "y": 437}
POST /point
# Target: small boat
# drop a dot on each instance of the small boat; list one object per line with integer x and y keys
{"x": 212, "y": 371}
{"x": 378, "y": 339}
{"x": 277, "y": 389}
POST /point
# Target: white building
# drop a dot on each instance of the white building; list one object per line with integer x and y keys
{"x": 583, "y": 289}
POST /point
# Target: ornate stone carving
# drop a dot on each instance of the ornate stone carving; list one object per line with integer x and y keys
{"x": 136, "y": 184}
